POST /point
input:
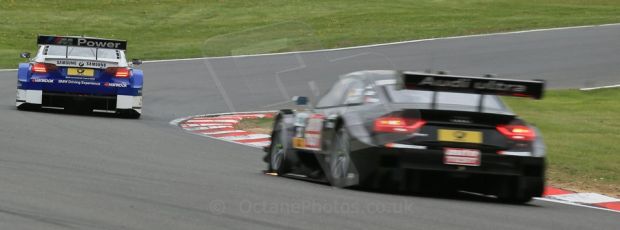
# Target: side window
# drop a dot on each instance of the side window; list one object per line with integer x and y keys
{"x": 348, "y": 91}
{"x": 354, "y": 94}
{"x": 334, "y": 96}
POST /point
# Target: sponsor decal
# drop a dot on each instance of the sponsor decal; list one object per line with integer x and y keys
{"x": 313, "y": 131}
{"x": 476, "y": 85}
{"x": 66, "y": 62}
{"x": 81, "y": 41}
{"x": 85, "y": 64}
{"x": 458, "y": 119}
{"x": 99, "y": 43}
{"x": 466, "y": 157}
{"x": 467, "y": 83}
{"x": 95, "y": 64}
{"x": 41, "y": 80}
{"x": 74, "y": 82}
{"x": 55, "y": 40}
{"x": 299, "y": 143}
{"x": 115, "y": 84}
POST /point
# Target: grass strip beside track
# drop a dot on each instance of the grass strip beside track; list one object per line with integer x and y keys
{"x": 581, "y": 132}
{"x": 580, "y": 129}
{"x": 190, "y": 28}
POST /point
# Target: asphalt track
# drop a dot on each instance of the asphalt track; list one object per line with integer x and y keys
{"x": 65, "y": 171}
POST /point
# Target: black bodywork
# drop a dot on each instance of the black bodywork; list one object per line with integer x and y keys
{"x": 342, "y": 139}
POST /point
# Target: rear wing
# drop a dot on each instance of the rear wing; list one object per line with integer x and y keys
{"x": 475, "y": 85}
{"x": 82, "y": 42}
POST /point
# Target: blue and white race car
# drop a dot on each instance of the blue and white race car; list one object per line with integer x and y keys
{"x": 80, "y": 74}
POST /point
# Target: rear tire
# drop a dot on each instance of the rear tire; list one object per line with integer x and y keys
{"x": 517, "y": 199}
{"x": 515, "y": 191}
{"x": 129, "y": 114}
{"x": 28, "y": 107}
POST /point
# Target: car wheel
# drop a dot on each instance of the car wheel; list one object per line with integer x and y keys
{"x": 130, "y": 114}
{"x": 279, "y": 150}
{"x": 514, "y": 193}
{"x": 341, "y": 172}
{"x": 28, "y": 107}
{"x": 516, "y": 199}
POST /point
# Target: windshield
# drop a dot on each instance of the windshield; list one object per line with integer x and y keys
{"x": 81, "y": 52}
{"x": 447, "y": 100}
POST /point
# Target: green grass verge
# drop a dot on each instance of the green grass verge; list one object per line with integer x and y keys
{"x": 579, "y": 128}
{"x": 195, "y": 28}
{"x": 256, "y": 125}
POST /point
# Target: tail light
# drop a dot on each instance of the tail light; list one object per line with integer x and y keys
{"x": 43, "y": 67}
{"x": 119, "y": 72}
{"x": 397, "y": 125}
{"x": 517, "y": 132}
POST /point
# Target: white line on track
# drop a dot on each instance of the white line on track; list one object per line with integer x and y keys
{"x": 574, "y": 204}
{"x": 585, "y": 198}
{"x": 388, "y": 44}
{"x": 600, "y": 87}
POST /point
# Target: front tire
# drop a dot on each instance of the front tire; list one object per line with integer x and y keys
{"x": 279, "y": 150}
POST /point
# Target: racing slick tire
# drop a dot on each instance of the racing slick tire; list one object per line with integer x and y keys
{"x": 128, "y": 113}
{"x": 28, "y": 107}
{"x": 280, "y": 149}
{"x": 520, "y": 190}
{"x": 341, "y": 171}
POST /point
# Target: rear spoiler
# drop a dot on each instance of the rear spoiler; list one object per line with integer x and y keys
{"x": 475, "y": 85}
{"x": 82, "y": 42}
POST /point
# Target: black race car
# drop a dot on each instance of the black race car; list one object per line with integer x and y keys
{"x": 416, "y": 132}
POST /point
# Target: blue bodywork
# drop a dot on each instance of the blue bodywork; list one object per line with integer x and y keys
{"x": 102, "y": 84}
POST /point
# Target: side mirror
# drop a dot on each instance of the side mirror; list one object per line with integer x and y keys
{"x": 300, "y": 100}
{"x": 136, "y": 61}
{"x": 24, "y": 55}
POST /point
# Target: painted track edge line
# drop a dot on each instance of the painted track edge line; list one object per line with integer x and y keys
{"x": 389, "y": 43}
{"x": 574, "y": 204}
{"x": 600, "y": 87}
{"x": 176, "y": 122}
